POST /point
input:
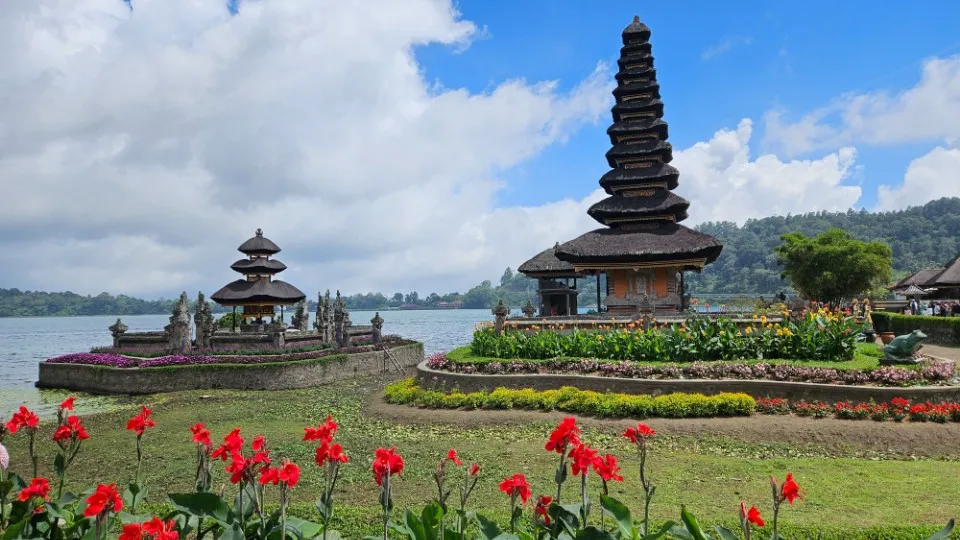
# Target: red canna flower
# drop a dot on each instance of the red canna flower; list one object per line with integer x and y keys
{"x": 753, "y": 516}
{"x": 789, "y": 490}
{"x": 72, "y": 429}
{"x": 67, "y": 404}
{"x": 39, "y": 487}
{"x": 328, "y": 453}
{"x": 24, "y": 418}
{"x": 232, "y": 444}
{"x": 543, "y": 505}
{"x": 386, "y": 463}
{"x": 323, "y": 432}
{"x": 104, "y": 500}
{"x": 607, "y": 468}
{"x": 201, "y": 435}
{"x": 474, "y": 469}
{"x": 566, "y": 433}
{"x": 289, "y": 473}
{"x": 131, "y": 531}
{"x": 452, "y": 456}
{"x": 642, "y": 431}
{"x": 582, "y": 458}
{"x": 258, "y": 443}
{"x": 141, "y": 421}
{"x": 160, "y": 530}
{"x": 516, "y": 485}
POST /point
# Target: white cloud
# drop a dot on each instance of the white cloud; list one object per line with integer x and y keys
{"x": 724, "y": 46}
{"x": 724, "y": 183}
{"x": 928, "y": 111}
{"x": 932, "y": 176}
{"x": 139, "y": 148}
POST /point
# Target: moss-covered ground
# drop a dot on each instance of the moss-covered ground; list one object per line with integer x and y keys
{"x": 709, "y": 475}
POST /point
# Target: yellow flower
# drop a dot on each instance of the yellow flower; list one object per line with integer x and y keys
{"x": 763, "y": 319}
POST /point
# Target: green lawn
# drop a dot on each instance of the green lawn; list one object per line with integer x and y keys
{"x": 867, "y": 356}
{"x": 710, "y": 475}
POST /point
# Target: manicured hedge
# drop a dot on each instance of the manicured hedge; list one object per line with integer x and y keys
{"x": 939, "y": 330}
{"x": 573, "y": 400}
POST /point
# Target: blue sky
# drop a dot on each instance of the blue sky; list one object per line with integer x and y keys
{"x": 718, "y": 62}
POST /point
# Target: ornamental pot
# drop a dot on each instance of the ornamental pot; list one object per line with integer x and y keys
{"x": 887, "y": 337}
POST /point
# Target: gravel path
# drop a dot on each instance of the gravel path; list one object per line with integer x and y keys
{"x": 948, "y": 353}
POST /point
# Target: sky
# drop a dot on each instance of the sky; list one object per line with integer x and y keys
{"x": 399, "y": 145}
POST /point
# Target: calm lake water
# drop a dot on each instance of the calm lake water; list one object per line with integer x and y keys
{"x": 26, "y": 341}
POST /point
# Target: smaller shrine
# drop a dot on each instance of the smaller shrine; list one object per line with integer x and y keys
{"x": 258, "y": 293}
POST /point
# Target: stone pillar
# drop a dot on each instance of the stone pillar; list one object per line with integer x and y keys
{"x": 204, "y": 322}
{"x": 301, "y": 317}
{"x": 179, "y": 327}
{"x": 377, "y": 323}
{"x": 116, "y": 330}
{"x": 339, "y": 308}
{"x": 500, "y": 312}
{"x": 345, "y": 329}
{"x": 278, "y": 337}
{"x": 528, "y": 310}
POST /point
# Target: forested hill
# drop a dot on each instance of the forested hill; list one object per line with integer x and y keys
{"x": 920, "y": 237}
{"x": 16, "y": 303}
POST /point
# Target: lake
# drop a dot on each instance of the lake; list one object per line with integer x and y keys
{"x": 26, "y": 341}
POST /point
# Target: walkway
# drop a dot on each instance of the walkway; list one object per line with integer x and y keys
{"x": 948, "y": 353}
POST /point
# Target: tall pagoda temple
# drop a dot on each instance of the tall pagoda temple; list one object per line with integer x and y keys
{"x": 258, "y": 292}
{"x": 642, "y": 248}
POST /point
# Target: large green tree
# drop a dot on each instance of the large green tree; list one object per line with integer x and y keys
{"x": 834, "y": 264}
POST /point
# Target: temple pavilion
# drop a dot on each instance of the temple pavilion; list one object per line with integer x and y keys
{"x": 258, "y": 292}
{"x": 641, "y": 248}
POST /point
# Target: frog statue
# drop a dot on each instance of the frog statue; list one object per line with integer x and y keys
{"x": 903, "y": 349}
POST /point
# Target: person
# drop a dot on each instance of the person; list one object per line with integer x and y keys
{"x": 936, "y": 310}
{"x": 914, "y": 308}
{"x": 955, "y": 310}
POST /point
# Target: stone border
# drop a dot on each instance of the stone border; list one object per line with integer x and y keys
{"x": 282, "y": 375}
{"x": 472, "y": 382}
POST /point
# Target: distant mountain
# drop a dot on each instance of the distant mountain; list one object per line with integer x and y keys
{"x": 920, "y": 237}
{"x": 17, "y": 303}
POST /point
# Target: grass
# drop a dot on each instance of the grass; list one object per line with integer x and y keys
{"x": 710, "y": 474}
{"x": 867, "y": 357}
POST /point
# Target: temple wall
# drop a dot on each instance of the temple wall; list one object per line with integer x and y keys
{"x": 273, "y": 376}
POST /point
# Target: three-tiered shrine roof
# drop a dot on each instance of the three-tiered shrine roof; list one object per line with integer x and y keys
{"x": 258, "y": 287}
{"x": 546, "y": 264}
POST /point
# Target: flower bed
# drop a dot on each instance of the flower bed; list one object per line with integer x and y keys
{"x": 124, "y": 361}
{"x": 294, "y": 348}
{"x": 820, "y": 336}
{"x": 573, "y": 400}
{"x": 897, "y": 409}
{"x": 931, "y": 372}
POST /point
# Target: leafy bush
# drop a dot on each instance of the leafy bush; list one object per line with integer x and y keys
{"x": 942, "y": 330}
{"x": 818, "y": 336}
{"x": 570, "y": 399}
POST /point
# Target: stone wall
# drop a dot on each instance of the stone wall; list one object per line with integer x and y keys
{"x": 274, "y": 376}
{"x": 446, "y": 381}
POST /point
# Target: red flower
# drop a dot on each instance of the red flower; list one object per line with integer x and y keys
{"x": 566, "y": 433}
{"x": 607, "y": 468}
{"x": 386, "y": 463}
{"x": 232, "y": 444}
{"x": 328, "y": 453}
{"x": 543, "y": 504}
{"x": 201, "y": 435}
{"x": 642, "y": 431}
{"x": 38, "y": 488}
{"x": 258, "y": 443}
{"x": 24, "y": 418}
{"x": 160, "y": 530}
{"x": 104, "y": 500}
{"x": 289, "y": 473}
{"x": 67, "y": 404}
{"x": 132, "y": 531}
{"x": 474, "y": 469}
{"x": 516, "y": 485}
{"x": 900, "y": 402}
{"x": 789, "y": 490}
{"x": 582, "y": 457}
{"x": 72, "y": 429}
{"x": 141, "y": 421}
{"x": 752, "y": 515}
{"x": 452, "y": 456}
{"x": 323, "y": 432}
{"x": 238, "y": 467}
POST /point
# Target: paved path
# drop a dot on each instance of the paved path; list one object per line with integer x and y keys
{"x": 949, "y": 353}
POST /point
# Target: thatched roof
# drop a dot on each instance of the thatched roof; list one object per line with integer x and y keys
{"x": 666, "y": 242}
{"x": 242, "y": 292}
{"x": 913, "y": 290}
{"x": 660, "y": 172}
{"x": 637, "y": 106}
{"x": 546, "y": 263}
{"x": 920, "y": 279}
{"x": 949, "y": 277}
{"x": 631, "y": 57}
{"x": 650, "y": 125}
{"x": 258, "y": 245}
{"x": 661, "y": 203}
{"x": 636, "y": 30}
{"x": 258, "y": 265}
{"x": 650, "y": 147}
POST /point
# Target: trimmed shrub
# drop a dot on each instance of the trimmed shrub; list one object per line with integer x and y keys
{"x": 939, "y": 330}
{"x": 570, "y": 399}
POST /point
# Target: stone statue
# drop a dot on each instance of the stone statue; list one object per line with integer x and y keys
{"x": 500, "y": 312}
{"x": 377, "y": 323}
{"x": 204, "y": 322}
{"x": 301, "y": 316}
{"x": 528, "y": 310}
{"x": 345, "y": 329}
{"x": 903, "y": 349}
{"x": 179, "y": 327}
{"x": 339, "y": 310}
{"x": 324, "y": 322}
{"x": 116, "y": 330}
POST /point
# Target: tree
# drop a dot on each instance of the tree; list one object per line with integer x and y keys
{"x": 506, "y": 277}
{"x": 833, "y": 265}
{"x": 397, "y": 298}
